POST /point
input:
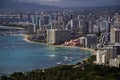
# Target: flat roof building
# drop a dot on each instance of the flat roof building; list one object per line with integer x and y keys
{"x": 92, "y": 41}
{"x": 105, "y": 54}
{"x": 115, "y": 35}
{"x": 58, "y": 36}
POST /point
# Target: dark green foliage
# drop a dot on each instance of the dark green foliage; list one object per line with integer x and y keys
{"x": 91, "y": 59}
{"x": 81, "y": 71}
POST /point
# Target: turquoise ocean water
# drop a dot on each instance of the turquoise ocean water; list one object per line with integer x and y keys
{"x": 19, "y": 55}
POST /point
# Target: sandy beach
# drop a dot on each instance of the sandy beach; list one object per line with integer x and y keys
{"x": 88, "y": 49}
{"x": 26, "y": 38}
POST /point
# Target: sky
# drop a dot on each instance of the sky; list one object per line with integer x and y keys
{"x": 75, "y": 3}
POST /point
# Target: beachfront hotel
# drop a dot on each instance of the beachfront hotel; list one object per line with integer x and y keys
{"x": 57, "y": 36}
{"x": 106, "y": 53}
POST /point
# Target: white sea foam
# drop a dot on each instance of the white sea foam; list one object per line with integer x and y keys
{"x": 65, "y": 58}
{"x": 52, "y": 55}
{"x": 59, "y": 63}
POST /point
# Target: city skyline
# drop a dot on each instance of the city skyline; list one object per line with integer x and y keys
{"x": 47, "y": 39}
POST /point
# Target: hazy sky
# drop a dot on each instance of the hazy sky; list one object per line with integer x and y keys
{"x": 75, "y": 3}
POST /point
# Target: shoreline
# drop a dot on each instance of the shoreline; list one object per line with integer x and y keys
{"x": 87, "y": 49}
{"x": 25, "y": 38}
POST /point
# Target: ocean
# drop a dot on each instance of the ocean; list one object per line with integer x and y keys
{"x": 18, "y": 55}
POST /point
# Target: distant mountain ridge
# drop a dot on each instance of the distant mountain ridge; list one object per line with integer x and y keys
{"x": 15, "y": 5}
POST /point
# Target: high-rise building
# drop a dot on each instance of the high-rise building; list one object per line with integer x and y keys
{"x": 41, "y": 22}
{"x": 115, "y": 35}
{"x": 95, "y": 29}
{"x": 33, "y": 19}
{"x": 116, "y": 24}
{"x": 117, "y": 46}
{"x": 37, "y": 20}
{"x": 57, "y": 36}
{"x": 82, "y": 28}
{"x": 74, "y": 23}
{"x": 56, "y": 25}
{"x": 115, "y": 62}
{"x": 31, "y": 29}
{"x": 92, "y": 41}
{"x": 104, "y": 26}
{"x": 105, "y": 54}
{"x": 83, "y": 41}
{"x": 90, "y": 26}
{"x": 44, "y": 21}
{"x": 105, "y": 38}
{"x": 29, "y": 19}
{"x": 35, "y": 28}
{"x": 117, "y": 17}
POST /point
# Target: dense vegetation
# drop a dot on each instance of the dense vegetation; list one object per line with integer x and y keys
{"x": 85, "y": 70}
